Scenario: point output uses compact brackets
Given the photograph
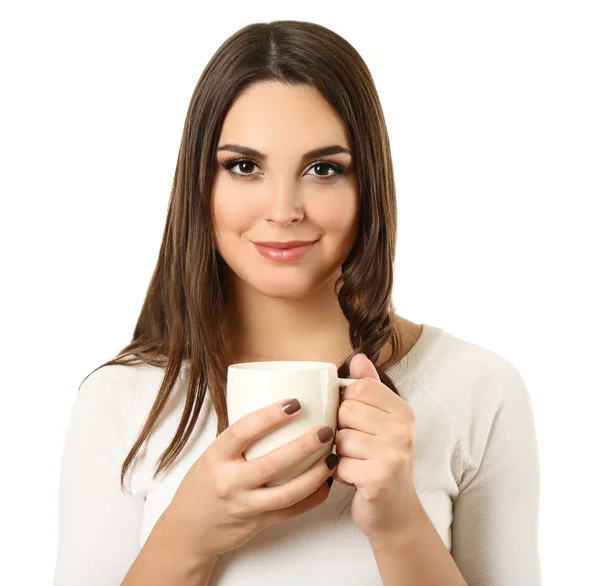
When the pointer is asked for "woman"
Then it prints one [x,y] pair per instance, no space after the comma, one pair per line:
[436,453]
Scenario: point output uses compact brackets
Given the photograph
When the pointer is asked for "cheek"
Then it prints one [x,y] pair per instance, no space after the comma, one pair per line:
[337,214]
[232,212]
[337,217]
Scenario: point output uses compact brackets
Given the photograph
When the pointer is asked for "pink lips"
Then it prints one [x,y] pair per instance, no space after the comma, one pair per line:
[284,254]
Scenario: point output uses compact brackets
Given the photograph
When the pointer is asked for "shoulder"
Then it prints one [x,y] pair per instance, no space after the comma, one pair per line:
[482,393]
[114,375]
[118,396]
[470,379]
[461,376]
[119,382]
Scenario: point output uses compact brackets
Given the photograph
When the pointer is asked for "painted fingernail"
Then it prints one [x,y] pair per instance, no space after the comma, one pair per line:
[331,461]
[325,434]
[330,481]
[291,406]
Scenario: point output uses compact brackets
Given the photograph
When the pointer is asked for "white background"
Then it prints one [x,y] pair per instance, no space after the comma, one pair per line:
[493,114]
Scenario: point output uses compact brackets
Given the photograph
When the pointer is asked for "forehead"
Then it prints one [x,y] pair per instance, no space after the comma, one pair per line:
[270,114]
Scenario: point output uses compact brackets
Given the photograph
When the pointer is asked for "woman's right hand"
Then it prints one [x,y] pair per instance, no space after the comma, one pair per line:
[221,503]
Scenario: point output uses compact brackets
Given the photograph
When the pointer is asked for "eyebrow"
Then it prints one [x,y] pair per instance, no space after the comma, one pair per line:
[320,152]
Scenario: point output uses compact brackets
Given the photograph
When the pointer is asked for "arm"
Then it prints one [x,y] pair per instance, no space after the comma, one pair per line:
[495,524]
[418,557]
[163,560]
[495,514]
[99,525]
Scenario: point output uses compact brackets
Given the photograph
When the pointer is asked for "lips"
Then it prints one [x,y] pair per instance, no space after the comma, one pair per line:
[285,245]
[289,254]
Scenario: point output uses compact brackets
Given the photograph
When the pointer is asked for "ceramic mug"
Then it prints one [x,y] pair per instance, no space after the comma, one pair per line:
[254,385]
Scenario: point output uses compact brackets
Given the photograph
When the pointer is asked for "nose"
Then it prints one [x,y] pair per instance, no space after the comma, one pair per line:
[284,205]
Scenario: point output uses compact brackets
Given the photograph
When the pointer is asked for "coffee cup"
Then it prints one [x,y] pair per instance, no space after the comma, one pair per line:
[254,385]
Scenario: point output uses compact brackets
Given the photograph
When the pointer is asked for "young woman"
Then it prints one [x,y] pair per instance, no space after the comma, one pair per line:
[279,244]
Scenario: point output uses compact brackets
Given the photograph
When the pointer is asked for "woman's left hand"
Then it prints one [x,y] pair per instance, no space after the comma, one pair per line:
[375,443]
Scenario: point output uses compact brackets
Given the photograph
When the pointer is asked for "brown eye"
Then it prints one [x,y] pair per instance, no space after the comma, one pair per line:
[246,165]
[323,167]
[338,170]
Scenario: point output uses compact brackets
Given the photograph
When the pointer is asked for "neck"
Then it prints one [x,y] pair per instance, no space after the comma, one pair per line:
[262,327]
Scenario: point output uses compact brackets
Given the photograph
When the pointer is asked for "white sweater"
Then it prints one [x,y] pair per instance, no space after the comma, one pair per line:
[476,472]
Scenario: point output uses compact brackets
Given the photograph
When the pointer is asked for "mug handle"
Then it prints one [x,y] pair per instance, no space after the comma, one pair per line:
[344,382]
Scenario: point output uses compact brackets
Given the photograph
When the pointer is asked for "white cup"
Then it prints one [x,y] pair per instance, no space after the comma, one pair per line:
[254,385]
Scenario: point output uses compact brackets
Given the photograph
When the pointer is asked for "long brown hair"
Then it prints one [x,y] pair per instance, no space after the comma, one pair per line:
[183,313]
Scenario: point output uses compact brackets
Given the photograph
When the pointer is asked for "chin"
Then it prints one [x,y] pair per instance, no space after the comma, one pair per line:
[283,288]
[293,281]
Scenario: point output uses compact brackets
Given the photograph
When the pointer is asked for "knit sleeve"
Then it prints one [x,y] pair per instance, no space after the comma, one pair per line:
[99,524]
[495,516]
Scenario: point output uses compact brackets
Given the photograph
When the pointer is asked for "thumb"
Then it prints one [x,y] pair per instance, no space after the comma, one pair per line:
[361,367]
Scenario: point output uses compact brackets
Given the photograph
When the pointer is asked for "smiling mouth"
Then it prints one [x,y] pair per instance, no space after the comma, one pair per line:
[284,254]
[284,245]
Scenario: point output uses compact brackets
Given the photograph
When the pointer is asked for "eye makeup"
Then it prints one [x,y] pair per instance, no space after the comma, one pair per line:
[231,162]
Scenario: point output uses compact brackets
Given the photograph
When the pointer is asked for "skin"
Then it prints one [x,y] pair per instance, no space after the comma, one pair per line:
[287,311]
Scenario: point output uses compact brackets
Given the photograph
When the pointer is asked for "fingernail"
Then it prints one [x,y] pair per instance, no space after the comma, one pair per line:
[291,406]
[330,481]
[331,461]
[325,434]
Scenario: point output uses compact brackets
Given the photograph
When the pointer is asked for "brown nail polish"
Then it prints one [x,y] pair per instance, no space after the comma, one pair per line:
[325,434]
[332,461]
[291,406]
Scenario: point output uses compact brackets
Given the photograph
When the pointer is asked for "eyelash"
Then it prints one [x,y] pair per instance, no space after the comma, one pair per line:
[228,164]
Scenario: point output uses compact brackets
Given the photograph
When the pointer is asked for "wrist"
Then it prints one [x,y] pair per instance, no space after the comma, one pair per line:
[402,534]
[170,526]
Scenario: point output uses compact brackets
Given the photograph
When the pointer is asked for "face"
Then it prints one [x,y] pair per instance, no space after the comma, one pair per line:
[281,195]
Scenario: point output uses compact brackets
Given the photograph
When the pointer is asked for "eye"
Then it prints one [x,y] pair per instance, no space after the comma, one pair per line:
[229,164]
[337,170]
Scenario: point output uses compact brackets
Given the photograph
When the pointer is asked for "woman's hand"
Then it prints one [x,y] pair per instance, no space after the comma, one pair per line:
[375,442]
[221,503]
